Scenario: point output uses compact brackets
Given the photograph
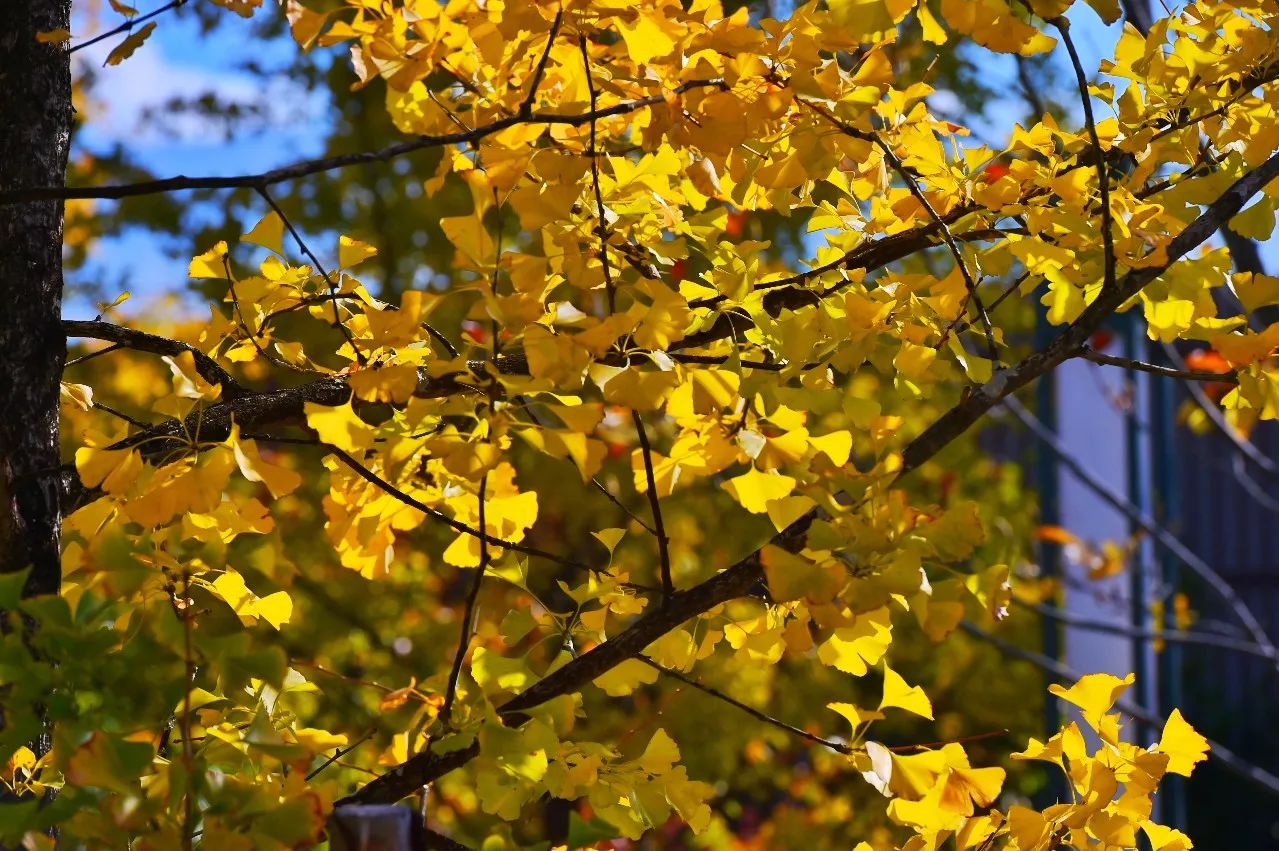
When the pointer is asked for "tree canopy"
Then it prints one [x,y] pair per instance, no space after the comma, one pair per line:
[641,497]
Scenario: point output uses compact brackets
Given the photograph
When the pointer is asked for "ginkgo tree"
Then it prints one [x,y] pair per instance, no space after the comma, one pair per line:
[623,450]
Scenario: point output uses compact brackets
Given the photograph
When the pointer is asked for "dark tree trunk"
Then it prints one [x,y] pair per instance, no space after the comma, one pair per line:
[35,125]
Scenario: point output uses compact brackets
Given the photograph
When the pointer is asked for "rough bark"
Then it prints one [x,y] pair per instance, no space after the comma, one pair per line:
[35,125]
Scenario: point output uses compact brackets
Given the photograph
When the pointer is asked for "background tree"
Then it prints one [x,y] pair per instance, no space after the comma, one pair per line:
[460,541]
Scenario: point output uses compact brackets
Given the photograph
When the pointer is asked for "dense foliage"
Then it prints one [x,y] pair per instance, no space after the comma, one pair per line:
[646,510]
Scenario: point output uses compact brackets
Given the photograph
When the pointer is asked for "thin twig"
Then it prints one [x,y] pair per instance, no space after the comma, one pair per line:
[122,415]
[1095,356]
[441,339]
[1171,636]
[969,282]
[961,323]
[305,168]
[92,355]
[128,25]
[434,513]
[328,279]
[839,747]
[188,757]
[622,505]
[655,505]
[834,745]
[601,225]
[468,617]
[526,108]
[976,404]
[1099,158]
[339,754]
[1245,446]
[913,187]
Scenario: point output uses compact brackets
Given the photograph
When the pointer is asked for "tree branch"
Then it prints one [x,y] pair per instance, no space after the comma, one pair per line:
[1171,636]
[839,747]
[434,513]
[305,168]
[734,582]
[912,186]
[1006,381]
[468,616]
[655,506]
[526,108]
[601,227]
[128,25]
[1095,356]
[1099,159]
[141,341]
[1245,447]
[319,267]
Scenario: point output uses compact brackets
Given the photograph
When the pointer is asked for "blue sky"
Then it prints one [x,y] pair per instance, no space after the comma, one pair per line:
[179,60]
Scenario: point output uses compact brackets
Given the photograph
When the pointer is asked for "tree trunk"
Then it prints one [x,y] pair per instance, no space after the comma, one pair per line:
[35,125]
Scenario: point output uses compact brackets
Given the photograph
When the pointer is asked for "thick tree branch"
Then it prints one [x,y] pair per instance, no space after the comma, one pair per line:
[734,582]
[141,341]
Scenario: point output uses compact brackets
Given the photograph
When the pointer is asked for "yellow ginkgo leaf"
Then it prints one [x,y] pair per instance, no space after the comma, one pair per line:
[393,383]
[210,264]
[853,649]
[870,20]
[276,609]
[911,698]
[753,490]
[645,38]
[660,755]
[352,252]
[1183,744]
[855,714]
[268,233]
[339,426]
[234,592]
[1095,694]
[279,480]
[111,469]
[187,381]
[318,741]
[626,677]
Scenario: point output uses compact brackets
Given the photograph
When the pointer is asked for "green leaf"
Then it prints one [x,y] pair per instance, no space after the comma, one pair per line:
[11,585]
[582,834]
